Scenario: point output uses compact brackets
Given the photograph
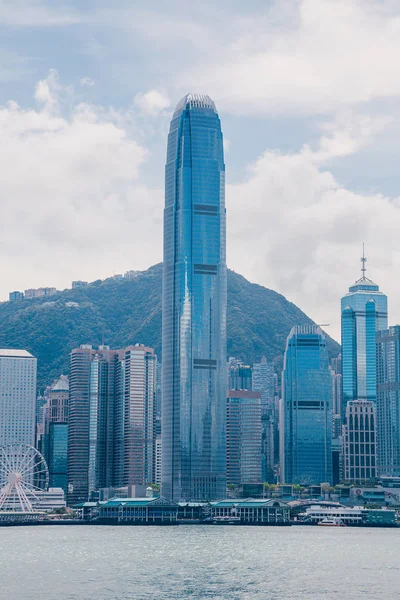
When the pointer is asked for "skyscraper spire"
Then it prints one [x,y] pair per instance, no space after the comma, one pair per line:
[363,263]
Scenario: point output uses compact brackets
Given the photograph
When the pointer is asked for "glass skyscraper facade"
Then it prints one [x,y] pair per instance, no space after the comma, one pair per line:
[364,312]
[306,416]
[243,423]
[57,455]
[194,306]
[111,433]
[388,401]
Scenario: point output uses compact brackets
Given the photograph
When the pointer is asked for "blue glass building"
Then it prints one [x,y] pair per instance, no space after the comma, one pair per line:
[194,306]
[364,312]
[306,416]
[388,401]
[57,455]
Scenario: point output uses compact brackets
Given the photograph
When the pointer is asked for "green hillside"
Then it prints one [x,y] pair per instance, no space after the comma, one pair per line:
[129,311]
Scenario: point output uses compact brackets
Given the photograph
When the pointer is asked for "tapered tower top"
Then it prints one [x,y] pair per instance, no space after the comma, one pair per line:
[196,101]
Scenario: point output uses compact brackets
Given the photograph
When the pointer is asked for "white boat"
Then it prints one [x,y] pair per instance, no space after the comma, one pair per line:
[332,522]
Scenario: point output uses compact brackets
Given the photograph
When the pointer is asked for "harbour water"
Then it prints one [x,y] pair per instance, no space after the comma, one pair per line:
[214,563]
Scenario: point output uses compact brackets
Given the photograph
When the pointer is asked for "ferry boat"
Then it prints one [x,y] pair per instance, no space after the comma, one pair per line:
[332,522]
[226,520]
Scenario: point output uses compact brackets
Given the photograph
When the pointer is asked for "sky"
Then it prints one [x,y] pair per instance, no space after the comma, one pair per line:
[308,93]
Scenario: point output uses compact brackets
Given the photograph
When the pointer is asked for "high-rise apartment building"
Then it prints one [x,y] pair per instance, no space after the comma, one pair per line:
[305,419]
[17,397]
[388,401]
[194,306]
[359,442]
[364,312]
[243,437]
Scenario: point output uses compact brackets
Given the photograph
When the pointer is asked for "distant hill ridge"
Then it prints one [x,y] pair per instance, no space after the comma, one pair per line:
[127,311]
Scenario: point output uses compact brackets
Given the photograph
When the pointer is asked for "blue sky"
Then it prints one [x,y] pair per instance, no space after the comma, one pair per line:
[308,94]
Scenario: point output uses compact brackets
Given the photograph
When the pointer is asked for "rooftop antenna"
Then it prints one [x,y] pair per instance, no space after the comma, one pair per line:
[363,263]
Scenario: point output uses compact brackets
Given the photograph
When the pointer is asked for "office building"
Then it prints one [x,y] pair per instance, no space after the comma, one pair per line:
[57,455]
[243,437]
[388,401]
[359,442]
[58,398]
[264,381]
[364,312]
[54,443]
[111,429]
[91,421]
[194,306]
[336,383]
[140,415]
[306,416]
[240,375]
[17,397]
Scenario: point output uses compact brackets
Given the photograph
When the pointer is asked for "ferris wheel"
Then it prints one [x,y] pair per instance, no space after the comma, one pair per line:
[24,477]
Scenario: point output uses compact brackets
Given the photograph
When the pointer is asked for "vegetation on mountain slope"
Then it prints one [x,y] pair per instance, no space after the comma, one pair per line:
[124,312]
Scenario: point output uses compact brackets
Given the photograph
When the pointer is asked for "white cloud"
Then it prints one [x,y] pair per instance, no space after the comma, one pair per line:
[305,56]
[300,232]
[73,204]
[87,82]
[33,13]
[153,102]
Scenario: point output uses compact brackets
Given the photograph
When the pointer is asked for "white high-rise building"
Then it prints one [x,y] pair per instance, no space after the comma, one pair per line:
[17,397]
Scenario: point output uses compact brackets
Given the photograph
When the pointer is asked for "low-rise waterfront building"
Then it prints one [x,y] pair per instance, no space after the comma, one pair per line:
[350,516]
[252,511]
[48,500]
[138,510]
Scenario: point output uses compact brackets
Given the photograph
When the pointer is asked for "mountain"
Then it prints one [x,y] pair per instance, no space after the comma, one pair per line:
[127,311]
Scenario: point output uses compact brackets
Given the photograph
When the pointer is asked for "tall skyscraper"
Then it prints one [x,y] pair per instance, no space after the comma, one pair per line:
[388,401]
[243,437]
[91,421]
[306,416]
[364,312]
[140,415]
[194,306]
[55,439]
[17,397]
[264,382]
[112,418]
